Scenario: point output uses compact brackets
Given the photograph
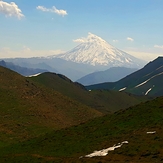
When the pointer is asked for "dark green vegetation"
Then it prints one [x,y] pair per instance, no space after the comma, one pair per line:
[146,81]
[49,118]
[28,109]
[103,101]
[67,145]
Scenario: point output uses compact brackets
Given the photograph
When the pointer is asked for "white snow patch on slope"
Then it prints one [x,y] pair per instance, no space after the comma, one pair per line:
[148,80]
[104,152]
[122,89]
[34,75]
[153,71]
[159,67]
[151,132]
[142,83]
[148,91]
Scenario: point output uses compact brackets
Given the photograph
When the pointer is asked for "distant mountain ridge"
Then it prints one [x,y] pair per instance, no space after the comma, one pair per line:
[93,55]
[22,70]
[146,81]
[70,69]
[111,75]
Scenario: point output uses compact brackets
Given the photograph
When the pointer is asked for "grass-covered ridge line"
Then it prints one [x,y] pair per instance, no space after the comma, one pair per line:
[102,100]
[28,109]
[67,145]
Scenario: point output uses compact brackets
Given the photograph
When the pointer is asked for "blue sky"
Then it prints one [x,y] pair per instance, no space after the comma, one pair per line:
[47,27]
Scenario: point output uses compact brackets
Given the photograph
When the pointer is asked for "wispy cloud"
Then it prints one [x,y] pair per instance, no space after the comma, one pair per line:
[27,52]
[42,8]
[115,41]
[80,40]
[10,9]
[86,39]
[130,39]
[147,54]
[158,46]
[53,10]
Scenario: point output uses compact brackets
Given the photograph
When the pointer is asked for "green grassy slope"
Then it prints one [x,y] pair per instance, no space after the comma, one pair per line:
[104,101]
[67,145]
[28,109]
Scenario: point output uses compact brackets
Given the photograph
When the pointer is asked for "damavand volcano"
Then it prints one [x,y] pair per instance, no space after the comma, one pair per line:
[97,52]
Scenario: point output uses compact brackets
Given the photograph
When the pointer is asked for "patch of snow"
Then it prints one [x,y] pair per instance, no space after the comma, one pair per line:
[148,80]
[122,89]
[159,67]
[148,91]
[151,132]
[127,60]
[153,71]
[142,83]
[34,75]
[104,152]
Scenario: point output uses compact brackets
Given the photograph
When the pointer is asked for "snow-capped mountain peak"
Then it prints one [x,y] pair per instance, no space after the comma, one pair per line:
[92,38]
[94,50]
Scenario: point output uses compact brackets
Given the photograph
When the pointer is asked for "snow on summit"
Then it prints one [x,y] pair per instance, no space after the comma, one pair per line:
[95,51]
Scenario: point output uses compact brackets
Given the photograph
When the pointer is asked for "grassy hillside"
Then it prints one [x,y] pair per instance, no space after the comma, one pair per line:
[103,101]
[67,145]
[28,109]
